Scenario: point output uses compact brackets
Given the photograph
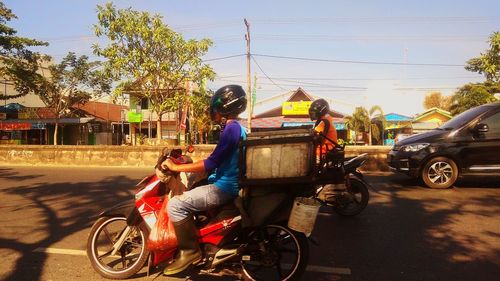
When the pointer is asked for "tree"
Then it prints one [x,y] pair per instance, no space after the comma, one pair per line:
[17,63]
[148,58]
[359,121]
[73,81]
[365,121]
[436,99]
[377,119]
[199,105]
[471,95]
[488,63]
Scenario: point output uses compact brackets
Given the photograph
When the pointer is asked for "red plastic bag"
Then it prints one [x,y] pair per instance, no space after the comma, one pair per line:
[162,236]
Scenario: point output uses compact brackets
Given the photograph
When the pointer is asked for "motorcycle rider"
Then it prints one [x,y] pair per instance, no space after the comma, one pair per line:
[225,106]
[319,111]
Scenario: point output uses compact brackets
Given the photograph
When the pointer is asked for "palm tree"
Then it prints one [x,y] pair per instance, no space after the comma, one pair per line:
[359,121]
[376,117]
[367,122]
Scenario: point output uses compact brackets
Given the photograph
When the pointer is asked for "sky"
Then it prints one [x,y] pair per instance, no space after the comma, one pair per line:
[355,52]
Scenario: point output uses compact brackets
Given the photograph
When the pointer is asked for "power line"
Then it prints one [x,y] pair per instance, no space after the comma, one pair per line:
[376,79]
[223,58]
[379,20]
[319,37]
[266,74]
[338,88]
[358,62]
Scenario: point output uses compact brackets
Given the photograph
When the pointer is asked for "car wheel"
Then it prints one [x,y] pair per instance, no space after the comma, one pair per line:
[440,172]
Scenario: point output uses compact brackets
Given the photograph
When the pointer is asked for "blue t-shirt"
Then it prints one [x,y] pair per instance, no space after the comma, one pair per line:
[223,161]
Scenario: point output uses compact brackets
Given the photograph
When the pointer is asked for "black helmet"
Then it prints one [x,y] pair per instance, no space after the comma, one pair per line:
[228,100]
[318,108]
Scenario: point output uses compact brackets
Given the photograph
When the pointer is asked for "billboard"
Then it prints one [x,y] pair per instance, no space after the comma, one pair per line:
[295,108]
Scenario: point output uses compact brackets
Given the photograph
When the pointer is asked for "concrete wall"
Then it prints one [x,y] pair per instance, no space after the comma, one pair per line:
[138,156]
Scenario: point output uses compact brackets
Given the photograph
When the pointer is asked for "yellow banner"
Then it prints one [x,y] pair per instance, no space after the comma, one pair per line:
[27,113]
[296,107]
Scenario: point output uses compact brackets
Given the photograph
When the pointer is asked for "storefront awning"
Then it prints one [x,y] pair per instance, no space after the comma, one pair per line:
[15,126]
[39,124]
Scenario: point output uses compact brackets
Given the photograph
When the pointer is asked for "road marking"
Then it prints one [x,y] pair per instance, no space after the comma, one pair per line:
[61,251]
[311,268]
[327,269]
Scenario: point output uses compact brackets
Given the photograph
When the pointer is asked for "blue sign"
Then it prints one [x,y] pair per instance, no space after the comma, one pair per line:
[339,126]
[296,124]
[38,126]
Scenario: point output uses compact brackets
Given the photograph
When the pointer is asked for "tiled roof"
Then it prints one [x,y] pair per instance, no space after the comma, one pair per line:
[103,111]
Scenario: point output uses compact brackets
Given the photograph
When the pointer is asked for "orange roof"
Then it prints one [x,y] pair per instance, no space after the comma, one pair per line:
[103,111]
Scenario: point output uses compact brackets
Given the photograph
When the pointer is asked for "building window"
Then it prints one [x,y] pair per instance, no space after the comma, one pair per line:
[144,102]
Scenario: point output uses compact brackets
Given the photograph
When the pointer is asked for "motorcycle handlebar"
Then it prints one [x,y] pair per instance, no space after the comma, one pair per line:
[175,155]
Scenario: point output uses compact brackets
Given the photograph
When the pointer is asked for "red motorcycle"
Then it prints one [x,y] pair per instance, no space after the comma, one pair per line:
[117,243]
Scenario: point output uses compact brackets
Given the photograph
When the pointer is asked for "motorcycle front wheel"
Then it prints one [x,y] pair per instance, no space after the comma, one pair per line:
[352,201]
[276,253]
[129,259]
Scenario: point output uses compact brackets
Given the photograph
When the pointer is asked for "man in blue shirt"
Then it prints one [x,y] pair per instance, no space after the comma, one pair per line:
[225,106]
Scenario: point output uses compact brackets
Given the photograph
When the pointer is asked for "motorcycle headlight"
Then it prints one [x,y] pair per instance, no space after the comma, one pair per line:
[414,147]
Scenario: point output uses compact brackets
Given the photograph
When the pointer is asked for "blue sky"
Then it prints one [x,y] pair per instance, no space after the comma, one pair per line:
[350,42]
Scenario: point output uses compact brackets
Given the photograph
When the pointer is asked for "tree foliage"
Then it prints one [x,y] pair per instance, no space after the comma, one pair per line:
[148,58]
[17,63]
[436,99]
[488,63]
[199,106]
[364,121]
[359,121]
[473,94]
[377,123]
[73,81]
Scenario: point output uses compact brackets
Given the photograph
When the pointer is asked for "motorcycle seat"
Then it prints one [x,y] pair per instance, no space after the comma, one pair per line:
[225,211]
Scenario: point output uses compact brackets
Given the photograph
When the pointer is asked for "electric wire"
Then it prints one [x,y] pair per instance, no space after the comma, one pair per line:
[358,62]
[266,74]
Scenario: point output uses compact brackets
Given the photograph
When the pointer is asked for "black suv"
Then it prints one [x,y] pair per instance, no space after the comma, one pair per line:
[468,144]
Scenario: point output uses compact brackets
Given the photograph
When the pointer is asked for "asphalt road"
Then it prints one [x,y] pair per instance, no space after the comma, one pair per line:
[407,232]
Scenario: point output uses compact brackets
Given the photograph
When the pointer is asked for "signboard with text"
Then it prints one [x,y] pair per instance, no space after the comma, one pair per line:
[134,117]
[11,126]
[28,113]
[295,108]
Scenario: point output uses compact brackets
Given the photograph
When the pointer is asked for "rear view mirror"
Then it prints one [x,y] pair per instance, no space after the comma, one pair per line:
[481,128]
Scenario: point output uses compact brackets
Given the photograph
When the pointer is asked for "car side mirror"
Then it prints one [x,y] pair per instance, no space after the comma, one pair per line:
[481,128]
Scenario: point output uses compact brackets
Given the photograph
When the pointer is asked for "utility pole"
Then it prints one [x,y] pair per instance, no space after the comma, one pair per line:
[249,79]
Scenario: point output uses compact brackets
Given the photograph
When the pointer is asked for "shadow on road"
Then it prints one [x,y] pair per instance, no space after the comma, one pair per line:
[405,233]
[77,206]
[409,232]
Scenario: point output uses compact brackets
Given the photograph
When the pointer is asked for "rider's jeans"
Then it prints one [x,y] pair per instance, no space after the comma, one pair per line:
[198,199]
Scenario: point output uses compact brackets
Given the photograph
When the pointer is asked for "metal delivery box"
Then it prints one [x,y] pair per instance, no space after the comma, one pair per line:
[282,156]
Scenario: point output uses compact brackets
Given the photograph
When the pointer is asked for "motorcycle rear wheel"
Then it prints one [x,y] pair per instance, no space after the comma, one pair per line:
[356,201]
[275,253]
[130,258]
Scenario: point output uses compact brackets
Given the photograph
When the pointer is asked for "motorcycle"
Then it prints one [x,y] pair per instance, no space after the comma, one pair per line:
[350,197]
[117,243]
[339,183]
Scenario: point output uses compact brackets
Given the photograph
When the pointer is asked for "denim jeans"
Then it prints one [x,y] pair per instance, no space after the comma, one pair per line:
[199,199]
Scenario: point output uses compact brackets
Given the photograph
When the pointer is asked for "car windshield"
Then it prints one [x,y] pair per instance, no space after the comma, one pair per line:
[464,117]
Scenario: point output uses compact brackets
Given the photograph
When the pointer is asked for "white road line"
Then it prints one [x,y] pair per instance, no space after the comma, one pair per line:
[311,268]
[327,269]
[61,251]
